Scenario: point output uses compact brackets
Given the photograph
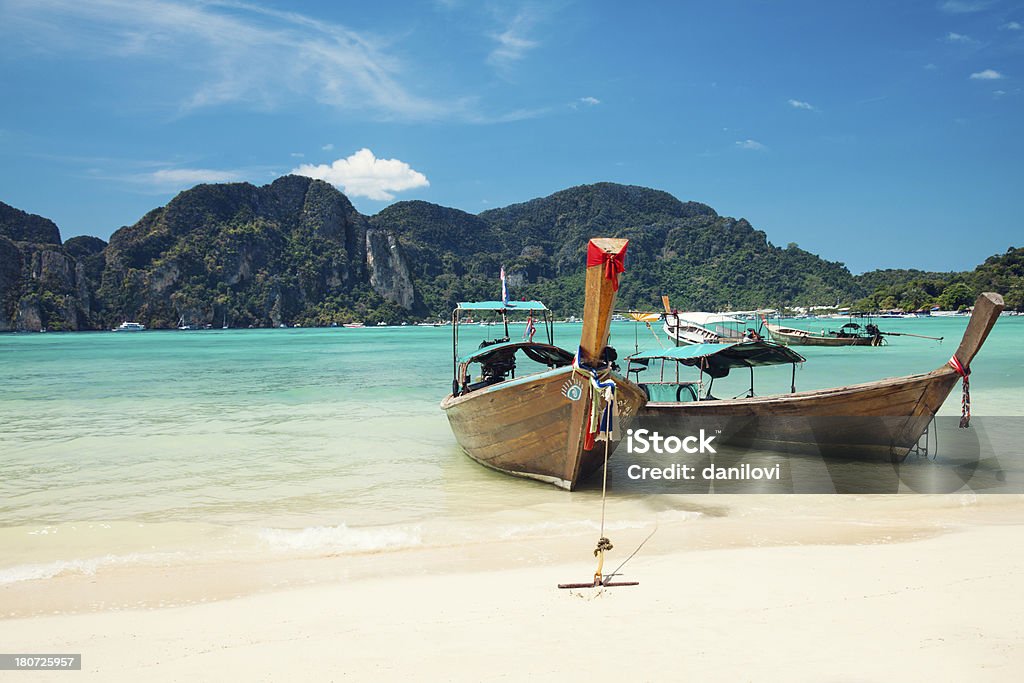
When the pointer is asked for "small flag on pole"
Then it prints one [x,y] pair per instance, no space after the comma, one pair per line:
[504,287]
[531,329]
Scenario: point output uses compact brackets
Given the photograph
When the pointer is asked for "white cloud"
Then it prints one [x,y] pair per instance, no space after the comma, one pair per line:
[513,42]
[364,175]
[1011,26]
[964,6]
[328,147]
[227,51]
[958,38]
[987,75]
[798,104]
[930,66]
[591,101]
[172,179]
[750,144]
[296,155]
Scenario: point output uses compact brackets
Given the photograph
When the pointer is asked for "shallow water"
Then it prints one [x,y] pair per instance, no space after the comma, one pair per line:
[168,446]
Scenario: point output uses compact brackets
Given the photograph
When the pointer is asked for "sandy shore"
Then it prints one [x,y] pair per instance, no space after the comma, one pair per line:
[947,607]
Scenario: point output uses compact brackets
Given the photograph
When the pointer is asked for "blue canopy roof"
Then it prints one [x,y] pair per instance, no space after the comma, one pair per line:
[523,306]
[718,359]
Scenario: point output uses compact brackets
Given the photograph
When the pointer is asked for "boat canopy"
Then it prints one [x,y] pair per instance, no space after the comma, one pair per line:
[718,359]
[541,353]
[501,306]
[703,318]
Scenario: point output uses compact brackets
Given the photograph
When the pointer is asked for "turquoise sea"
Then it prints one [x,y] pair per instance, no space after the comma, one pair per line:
[166,447]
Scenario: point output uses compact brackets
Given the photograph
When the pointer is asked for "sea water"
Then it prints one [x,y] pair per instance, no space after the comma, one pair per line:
[172,447]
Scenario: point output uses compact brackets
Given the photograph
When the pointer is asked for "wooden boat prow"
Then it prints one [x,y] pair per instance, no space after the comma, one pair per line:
[538,426]
[986,311]
[599,299]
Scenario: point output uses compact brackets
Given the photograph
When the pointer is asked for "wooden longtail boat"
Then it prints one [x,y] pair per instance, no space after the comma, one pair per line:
[545,425]
[850,334]
[880,419]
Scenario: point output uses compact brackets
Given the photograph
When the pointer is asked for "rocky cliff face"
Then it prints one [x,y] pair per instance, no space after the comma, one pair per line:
[297,251]
[42,285]
[10,283]
[389,272]
[292,251]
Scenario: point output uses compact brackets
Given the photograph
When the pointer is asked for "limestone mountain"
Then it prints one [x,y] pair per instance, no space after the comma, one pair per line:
[42,285]
[297,252]
[683,249]
[294,250]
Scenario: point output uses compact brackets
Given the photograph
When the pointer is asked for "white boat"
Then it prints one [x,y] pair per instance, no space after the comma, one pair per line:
[182,325]
[129,327]
[700,327]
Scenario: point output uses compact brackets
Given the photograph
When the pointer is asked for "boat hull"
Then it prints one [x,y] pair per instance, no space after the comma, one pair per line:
[874,420]
[808,339]
[532,427]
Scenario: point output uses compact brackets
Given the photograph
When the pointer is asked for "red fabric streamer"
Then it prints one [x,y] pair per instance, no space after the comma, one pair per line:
[613,263]
[965,402]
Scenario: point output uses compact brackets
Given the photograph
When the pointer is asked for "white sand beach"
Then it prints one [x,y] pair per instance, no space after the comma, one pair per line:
[720,599]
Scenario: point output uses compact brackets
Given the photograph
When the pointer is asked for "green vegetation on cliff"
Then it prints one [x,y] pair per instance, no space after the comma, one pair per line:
[912,290]
[42,285]
[683,249]
[297,252]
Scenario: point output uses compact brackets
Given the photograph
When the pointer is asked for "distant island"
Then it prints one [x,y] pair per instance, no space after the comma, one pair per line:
[297,252]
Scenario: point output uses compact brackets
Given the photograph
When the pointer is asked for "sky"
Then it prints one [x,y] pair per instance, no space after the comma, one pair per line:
[879,134]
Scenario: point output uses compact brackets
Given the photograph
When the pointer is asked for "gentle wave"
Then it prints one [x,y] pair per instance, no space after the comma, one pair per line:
[86,567]
[341,538]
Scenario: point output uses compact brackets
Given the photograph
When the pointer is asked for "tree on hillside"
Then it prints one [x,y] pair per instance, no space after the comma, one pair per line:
[956,296]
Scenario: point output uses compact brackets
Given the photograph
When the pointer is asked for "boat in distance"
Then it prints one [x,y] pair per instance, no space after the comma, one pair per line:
[127,326]
[882,419]
[701,327]
[559,423]
[850,334]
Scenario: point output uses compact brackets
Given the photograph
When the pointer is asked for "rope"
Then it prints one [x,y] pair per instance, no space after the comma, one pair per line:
[603,543]
[656,337]
[604,495]
[965,402]
[632,554]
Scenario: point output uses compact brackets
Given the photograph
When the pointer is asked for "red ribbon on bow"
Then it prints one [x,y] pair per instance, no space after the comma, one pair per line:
[965,402]
[613,263]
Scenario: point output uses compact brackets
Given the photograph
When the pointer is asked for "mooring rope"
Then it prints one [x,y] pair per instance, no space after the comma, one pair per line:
[603,543]
[632,554]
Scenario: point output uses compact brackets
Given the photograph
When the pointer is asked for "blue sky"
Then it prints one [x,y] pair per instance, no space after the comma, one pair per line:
[880,134]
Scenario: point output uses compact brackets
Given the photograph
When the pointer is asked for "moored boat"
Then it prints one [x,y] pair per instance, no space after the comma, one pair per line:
[558,423]
[850,334]
[701,327]
[129,327]
[883,418]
